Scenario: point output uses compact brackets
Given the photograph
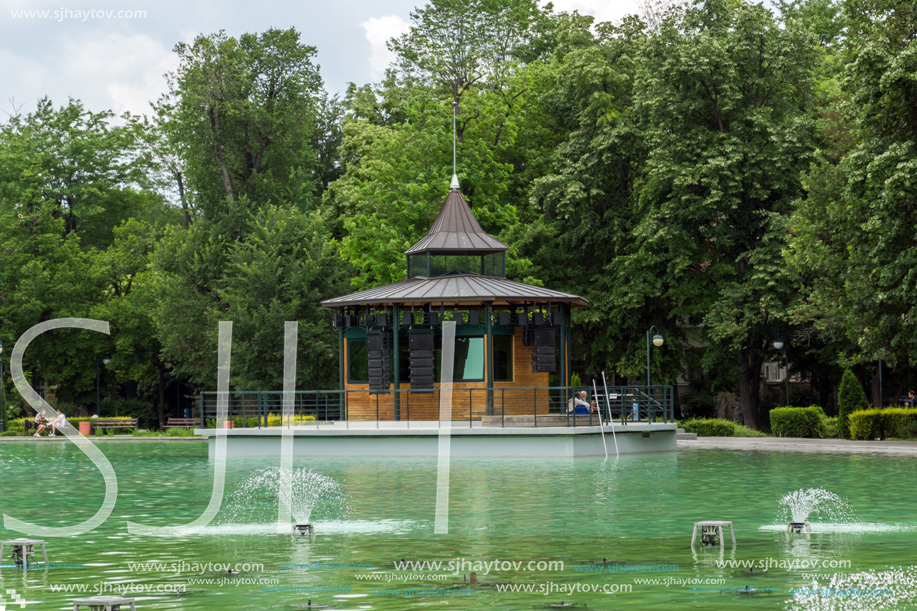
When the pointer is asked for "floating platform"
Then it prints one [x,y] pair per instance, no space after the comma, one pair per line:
[371,439]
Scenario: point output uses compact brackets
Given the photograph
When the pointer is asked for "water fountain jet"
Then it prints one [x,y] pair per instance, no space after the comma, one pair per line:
[798,506]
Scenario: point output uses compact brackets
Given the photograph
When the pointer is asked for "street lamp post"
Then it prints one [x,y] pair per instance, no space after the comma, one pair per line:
[781,346]
[2,405]
[657,341]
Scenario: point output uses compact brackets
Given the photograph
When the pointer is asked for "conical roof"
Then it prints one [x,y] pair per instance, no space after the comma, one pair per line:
[456,230]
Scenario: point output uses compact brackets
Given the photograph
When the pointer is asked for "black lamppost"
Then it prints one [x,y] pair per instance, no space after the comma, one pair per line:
[782,347]
[2,405]
[657,341]
[104,361]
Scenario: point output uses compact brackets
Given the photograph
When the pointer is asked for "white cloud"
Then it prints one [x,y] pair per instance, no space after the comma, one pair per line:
[127,68]
[378,31]
[602,10]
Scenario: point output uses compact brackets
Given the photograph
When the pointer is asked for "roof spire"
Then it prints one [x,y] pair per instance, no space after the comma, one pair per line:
[455,181]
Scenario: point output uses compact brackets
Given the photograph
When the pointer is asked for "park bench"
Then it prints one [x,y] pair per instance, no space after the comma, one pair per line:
[114,423]
[182,423]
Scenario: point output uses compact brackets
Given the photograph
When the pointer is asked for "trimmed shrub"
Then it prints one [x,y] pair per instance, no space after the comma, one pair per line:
[908,431]
[850,398]
[16,426]
[743,431]
[798,422]
[717,427]
[830,426]
[895,418]
[881,423]
[710,427]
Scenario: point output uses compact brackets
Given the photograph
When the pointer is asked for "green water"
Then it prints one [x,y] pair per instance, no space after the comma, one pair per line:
[635,511]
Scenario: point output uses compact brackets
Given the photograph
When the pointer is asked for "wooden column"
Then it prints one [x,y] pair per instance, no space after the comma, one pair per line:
[489,334]
[342,365]
[396,366]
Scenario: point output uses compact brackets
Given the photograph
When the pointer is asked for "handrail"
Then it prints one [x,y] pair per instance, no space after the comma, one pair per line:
[254,408]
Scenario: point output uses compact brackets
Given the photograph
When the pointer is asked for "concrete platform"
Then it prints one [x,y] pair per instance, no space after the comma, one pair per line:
[421,439]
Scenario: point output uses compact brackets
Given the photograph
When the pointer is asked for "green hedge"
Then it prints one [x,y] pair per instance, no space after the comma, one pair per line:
[798,422]
[717,427]
[254,421]
[880,423]
[18,425]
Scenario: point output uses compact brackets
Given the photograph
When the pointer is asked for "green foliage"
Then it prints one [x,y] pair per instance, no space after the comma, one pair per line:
[829,427]
[880,423]
[724,142]
[16,426]
[698,404]
[280,270]
[242,112]
[177,432]
[908,431]
[717,427]
[255,422]
[850,398]
[653,168]
[798,422]
[853,233]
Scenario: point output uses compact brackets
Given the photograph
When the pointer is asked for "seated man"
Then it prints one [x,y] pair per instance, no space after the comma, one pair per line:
[579,405]
[60,421]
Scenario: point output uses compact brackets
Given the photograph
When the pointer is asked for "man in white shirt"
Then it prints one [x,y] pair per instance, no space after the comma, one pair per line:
[61,420]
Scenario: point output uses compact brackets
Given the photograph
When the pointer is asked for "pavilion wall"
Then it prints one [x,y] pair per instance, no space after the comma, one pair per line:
[509,398]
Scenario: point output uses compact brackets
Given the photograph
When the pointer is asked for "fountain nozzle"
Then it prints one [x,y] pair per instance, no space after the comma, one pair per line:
[303,529]
[798,527]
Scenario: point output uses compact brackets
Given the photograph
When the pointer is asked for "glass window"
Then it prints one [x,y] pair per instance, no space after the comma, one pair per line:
[358,362]
[469,359]
[503,358]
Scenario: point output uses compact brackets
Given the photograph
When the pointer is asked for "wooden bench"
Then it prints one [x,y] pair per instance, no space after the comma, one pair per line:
[182,423]
[114,423]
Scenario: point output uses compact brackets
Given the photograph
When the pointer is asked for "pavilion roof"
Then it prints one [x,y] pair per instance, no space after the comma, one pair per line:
[456,289]
[456,229]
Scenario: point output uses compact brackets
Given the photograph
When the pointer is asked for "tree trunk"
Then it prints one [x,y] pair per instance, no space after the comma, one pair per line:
[181,197]
[876,390]
[162,395]
[749,385]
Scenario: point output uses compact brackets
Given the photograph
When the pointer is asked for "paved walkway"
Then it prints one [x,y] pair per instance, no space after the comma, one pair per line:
[785,444]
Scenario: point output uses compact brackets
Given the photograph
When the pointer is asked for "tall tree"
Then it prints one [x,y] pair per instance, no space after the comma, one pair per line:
[584,199]
[854,233]
[257,142]
[77,165]
[722,98]
[244,111]
[68,180]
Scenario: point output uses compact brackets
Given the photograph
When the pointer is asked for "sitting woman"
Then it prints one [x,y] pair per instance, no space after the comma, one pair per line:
[40,424]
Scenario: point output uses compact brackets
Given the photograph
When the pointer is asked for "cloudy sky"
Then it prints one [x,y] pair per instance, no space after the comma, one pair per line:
[115,58]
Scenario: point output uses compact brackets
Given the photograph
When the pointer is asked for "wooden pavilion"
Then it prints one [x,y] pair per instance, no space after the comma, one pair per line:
[512,339]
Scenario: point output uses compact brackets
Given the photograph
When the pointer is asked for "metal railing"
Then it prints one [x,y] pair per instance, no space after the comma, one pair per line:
[501,406]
